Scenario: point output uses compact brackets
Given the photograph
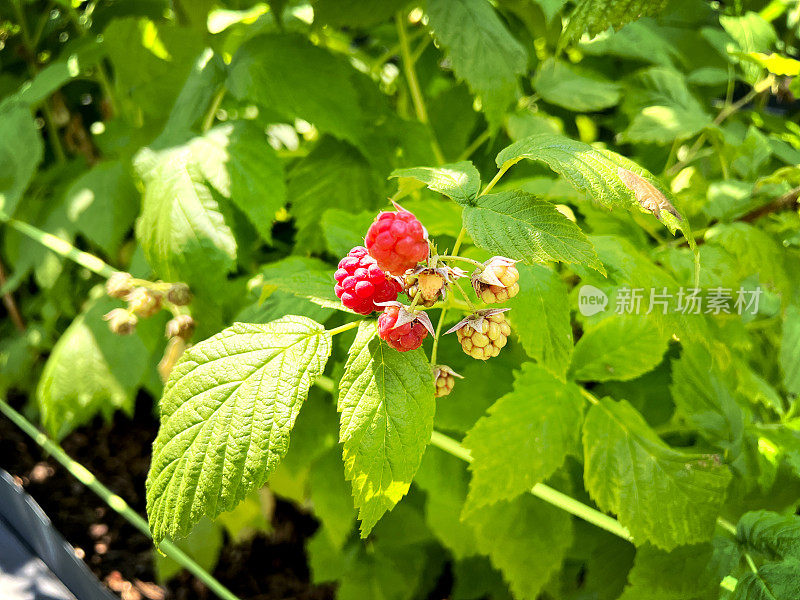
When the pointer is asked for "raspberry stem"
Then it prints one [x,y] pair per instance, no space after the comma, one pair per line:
[345,327]
[462,259]
[417,296]
[464,295]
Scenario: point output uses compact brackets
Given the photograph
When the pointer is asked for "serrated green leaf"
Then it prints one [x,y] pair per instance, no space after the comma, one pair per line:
[774,535]
[90,371]
[526,540]
[386,404]
[773,581]
[540,318]
[21,151]
[751,33]
[593,172]
[619,348]
[459,181]
[594,16]
[521,226]
[226,415]
[525,437]
[291,76]
[559,83]
[790,350]
[444,479]
[663,496]
[489,59]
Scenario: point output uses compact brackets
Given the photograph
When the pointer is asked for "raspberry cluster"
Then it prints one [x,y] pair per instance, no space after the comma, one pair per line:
[145,299]
[361,284]
[483,335]
[404,337]
[445,380]
[397,241]
[497,281]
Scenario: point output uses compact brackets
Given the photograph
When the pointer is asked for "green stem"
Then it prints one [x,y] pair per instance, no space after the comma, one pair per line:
[114,501]
[439,327]
[61,247]
[343,328]
[544,492]
[459,240]
[413,84]
[464,295]
[461,258]
[476,143]
[208,120]
[494,181]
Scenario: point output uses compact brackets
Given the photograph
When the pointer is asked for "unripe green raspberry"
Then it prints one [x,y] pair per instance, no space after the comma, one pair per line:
[119,285]
[179,294]
[484,338]
[121,321]
[143,302]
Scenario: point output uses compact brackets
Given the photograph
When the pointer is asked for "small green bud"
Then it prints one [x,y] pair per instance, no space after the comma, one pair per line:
[121,322]
[181,326]
[179,294]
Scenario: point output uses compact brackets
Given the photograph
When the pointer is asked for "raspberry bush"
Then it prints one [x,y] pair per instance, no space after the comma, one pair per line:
[503,294]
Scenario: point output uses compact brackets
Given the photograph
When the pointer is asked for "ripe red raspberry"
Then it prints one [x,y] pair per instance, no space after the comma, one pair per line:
[360,282]
[397,240]
[405,337]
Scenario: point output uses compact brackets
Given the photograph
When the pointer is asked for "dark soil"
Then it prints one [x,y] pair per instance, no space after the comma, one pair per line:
[268,567]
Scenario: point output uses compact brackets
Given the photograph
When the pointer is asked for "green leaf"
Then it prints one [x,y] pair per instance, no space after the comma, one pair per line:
[333,176]
[773,581]
[751,33]
[526,539]
[790,350]
[489,59]
[444,479]
[151,62]
[103,203]
[663,496]
[525,437]
[594,16]
[226,415]
[459,181]
[203,545]
[619,348]
[521,226]
[386,404]
[21,151]
[663,109]
[238,162]
[540,318]
[651,577]
[196,95]
[90,371]
[559,83]
[345,230]
[594,172]
[775,63]
[331,498]
[289,75]
[774,535]
[80,58]
[355,13]
[702,397]
[306,277]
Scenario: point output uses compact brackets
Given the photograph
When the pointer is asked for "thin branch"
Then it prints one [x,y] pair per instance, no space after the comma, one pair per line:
[11,306]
